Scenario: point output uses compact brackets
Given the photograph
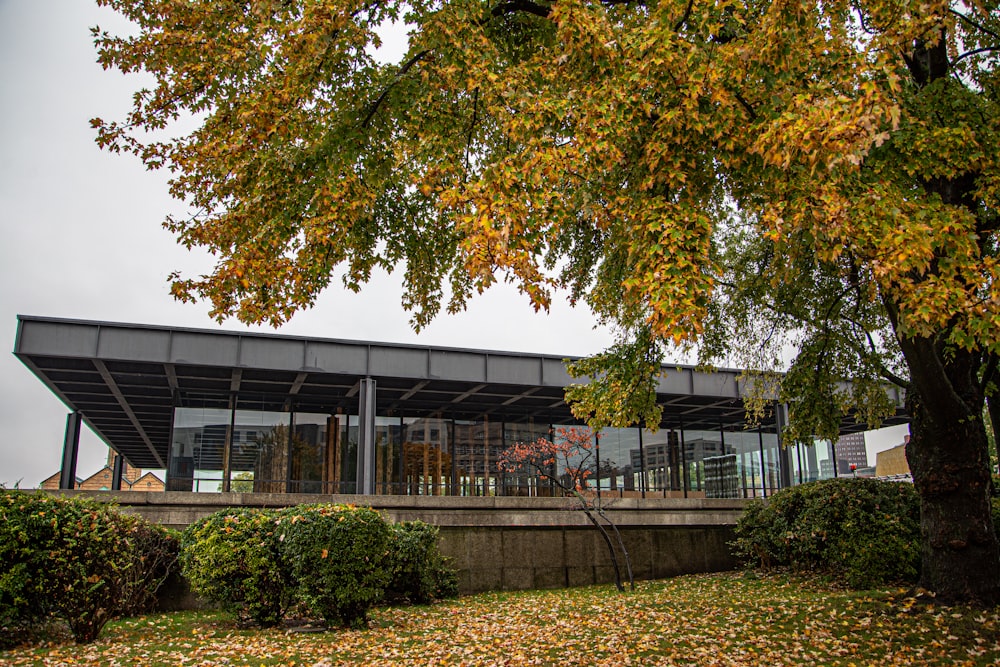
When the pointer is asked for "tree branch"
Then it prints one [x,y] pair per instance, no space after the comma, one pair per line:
[687,15]
[973,52]
[374,106]
[928,63]
[932,380]
[472,127]
[883,370]
[975,25]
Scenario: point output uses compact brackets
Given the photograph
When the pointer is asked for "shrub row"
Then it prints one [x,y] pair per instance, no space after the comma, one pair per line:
[75,560]
[864,532]
[335,560]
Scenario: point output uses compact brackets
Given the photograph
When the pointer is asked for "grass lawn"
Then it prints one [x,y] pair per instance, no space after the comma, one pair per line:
[735,618]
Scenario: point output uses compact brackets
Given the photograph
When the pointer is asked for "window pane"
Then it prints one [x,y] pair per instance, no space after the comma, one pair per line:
[427,463]
[260,453]
[310,438]
[699,445]
[523,483]
[477,446]
[388,455]
[197,451]
[618,448]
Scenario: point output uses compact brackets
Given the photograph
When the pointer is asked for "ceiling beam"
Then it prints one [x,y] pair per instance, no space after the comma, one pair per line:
[170,371]
[300,380]
[417,387]
[117,393]
[235,380]
[475,390]
[523,394]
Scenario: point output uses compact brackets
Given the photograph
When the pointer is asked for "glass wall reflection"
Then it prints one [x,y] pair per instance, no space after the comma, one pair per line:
[477,447]
[388,455]
[260,460]
[524,482]
[427,457]
[309,441]
[198,449]
[263,451]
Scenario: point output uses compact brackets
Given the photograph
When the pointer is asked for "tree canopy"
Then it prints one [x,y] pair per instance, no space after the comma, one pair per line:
[747,176]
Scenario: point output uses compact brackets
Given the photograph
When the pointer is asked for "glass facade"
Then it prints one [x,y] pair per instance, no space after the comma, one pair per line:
[266,451]
[198,452]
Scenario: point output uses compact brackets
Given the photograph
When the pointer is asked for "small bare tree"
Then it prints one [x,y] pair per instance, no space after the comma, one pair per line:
[567,460]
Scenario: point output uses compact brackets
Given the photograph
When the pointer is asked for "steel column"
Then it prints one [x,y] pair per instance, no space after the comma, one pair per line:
[71,448]
[116,472]
[784,453]
[366,436]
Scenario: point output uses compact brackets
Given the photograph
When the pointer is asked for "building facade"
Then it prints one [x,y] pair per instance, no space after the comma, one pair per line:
[131,479]
[852,453]
[222,411]
[892,463]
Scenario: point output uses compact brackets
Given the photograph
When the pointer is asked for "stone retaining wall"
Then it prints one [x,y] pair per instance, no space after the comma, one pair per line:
[511,543]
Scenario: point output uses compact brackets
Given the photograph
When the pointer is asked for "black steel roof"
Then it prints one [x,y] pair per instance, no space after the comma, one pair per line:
[126,378]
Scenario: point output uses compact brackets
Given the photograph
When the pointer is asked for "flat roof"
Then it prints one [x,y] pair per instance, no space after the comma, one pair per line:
[126,379]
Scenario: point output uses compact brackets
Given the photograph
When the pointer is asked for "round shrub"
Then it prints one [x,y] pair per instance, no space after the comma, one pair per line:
[234,558]
[340,557]
[60,558]
[865,532]
[419,573]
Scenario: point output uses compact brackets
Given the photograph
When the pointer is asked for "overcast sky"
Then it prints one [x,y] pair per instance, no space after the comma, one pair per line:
[82,239]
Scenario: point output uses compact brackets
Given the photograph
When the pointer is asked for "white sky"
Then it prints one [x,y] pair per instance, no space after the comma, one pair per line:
[83,239]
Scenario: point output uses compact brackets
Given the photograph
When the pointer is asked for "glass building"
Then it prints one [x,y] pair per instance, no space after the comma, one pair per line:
[238,412]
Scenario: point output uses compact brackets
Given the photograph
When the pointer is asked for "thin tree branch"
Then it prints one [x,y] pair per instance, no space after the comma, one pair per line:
[621,544]
[975,25]
[746,105]
[883,370]
[973,52]
[374,106]
[472,127]
[687,15]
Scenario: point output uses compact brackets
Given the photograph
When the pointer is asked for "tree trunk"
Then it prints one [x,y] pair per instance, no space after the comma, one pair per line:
[948,454]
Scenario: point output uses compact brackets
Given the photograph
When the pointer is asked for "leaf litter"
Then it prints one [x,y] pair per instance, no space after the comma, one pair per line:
[725,620]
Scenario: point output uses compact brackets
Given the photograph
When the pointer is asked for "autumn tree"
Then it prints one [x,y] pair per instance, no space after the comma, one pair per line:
[568,461]
[753,178]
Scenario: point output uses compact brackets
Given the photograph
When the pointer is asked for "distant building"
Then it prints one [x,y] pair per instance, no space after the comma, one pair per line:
[851,453]
[133,479]
[892,462]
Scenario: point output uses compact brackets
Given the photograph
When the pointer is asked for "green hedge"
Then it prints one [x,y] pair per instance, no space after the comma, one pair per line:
[419,572]
[331,561]
[74,560]
[234,558]
[341,559]
[864,532]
